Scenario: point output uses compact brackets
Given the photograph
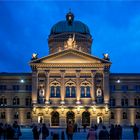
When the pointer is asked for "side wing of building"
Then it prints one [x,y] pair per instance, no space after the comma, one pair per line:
[125,98]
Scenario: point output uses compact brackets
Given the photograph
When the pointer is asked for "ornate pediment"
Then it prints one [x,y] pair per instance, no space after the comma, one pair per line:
[70,56]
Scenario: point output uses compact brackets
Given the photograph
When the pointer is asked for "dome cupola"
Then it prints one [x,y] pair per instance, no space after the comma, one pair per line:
[62,30]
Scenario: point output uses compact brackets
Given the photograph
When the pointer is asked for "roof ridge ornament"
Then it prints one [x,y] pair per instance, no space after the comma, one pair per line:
[70,17]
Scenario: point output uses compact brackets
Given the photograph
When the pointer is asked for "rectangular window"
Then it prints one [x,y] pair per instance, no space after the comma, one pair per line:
[112,102]
[29,87]
[137,88]
[124,88]
[112,88]
[3,87]
[15,87]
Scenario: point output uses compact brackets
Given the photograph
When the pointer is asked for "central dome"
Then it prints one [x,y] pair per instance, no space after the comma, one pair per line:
[69,32]
[70,25]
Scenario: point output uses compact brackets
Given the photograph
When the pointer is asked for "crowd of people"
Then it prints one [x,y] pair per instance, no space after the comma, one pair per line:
[9,132]
[42,132]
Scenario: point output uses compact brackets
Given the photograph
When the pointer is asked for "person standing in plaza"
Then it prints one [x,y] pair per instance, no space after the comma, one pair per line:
[17,131]
[45,131]
[135,132]
[35,132]
[70,130]
[91,134]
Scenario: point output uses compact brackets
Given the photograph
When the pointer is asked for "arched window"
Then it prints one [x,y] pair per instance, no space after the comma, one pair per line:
[28,101]
[85,89]
[16,101]
[55,89]
[16,115]
[86,118]
[112,116]
[138,115]
[55,118]
[3,101]
[124,115]
[112,102]
[28,115]
[70,88]
[124,101]
[2,115]
[70,117]
[137,101]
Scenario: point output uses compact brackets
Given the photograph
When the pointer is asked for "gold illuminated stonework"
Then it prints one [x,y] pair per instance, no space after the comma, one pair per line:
[70,84]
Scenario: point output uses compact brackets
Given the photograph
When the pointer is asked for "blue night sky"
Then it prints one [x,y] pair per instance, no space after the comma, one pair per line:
[114,26]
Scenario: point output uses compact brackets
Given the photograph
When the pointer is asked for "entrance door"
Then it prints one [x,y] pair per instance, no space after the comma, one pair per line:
[86,118]
[40,119]
[70,117]
[99,119]
[55,118]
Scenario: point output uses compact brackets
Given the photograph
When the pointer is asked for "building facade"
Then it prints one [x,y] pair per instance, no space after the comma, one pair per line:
[70,84]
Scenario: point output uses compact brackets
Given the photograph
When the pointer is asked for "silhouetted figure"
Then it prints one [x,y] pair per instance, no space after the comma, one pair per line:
[103,134]
[112,132]
[120,131]
[41,120]
[55,136]
[10,132]
[91,134]
[135,131]
[84,126]
[35,133]
[78,126]
[17,131]
[69,131]
[62,135]
[116,132]
[5,131]
[75,127]
[44,131]
[1,130]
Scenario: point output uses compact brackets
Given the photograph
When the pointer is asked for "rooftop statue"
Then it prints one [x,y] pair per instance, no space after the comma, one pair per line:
[70,43]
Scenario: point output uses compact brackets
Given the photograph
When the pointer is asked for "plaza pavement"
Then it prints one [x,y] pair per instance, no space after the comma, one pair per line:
[27,134]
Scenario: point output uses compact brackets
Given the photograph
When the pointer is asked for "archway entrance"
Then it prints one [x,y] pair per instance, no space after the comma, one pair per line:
[70,117]
[86,118]
[54,118]
[40,118]
[99,118]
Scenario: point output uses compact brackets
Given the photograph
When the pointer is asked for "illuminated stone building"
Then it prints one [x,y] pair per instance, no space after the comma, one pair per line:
[70,84]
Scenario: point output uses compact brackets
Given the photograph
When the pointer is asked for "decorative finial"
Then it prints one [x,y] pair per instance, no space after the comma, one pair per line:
[34,56]
[70,17]
[106,56]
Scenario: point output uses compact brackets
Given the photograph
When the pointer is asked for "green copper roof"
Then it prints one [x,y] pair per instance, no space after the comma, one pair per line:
[75,26]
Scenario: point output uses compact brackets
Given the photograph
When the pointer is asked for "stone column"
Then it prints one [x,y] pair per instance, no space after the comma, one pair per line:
[47,87]
[106,87]
[78,86]
[34,87]
[62,87]
[93,87]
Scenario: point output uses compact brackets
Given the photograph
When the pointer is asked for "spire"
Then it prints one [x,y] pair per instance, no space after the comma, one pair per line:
[69,17]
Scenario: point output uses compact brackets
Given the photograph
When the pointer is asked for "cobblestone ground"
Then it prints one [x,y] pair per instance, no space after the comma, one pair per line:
[27,134]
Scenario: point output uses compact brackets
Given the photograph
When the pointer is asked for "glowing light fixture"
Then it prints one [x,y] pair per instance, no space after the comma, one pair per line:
[106,108]
[94,108]
[62,109]
[118,81]
[78,109]
[47,110]
[22,81]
